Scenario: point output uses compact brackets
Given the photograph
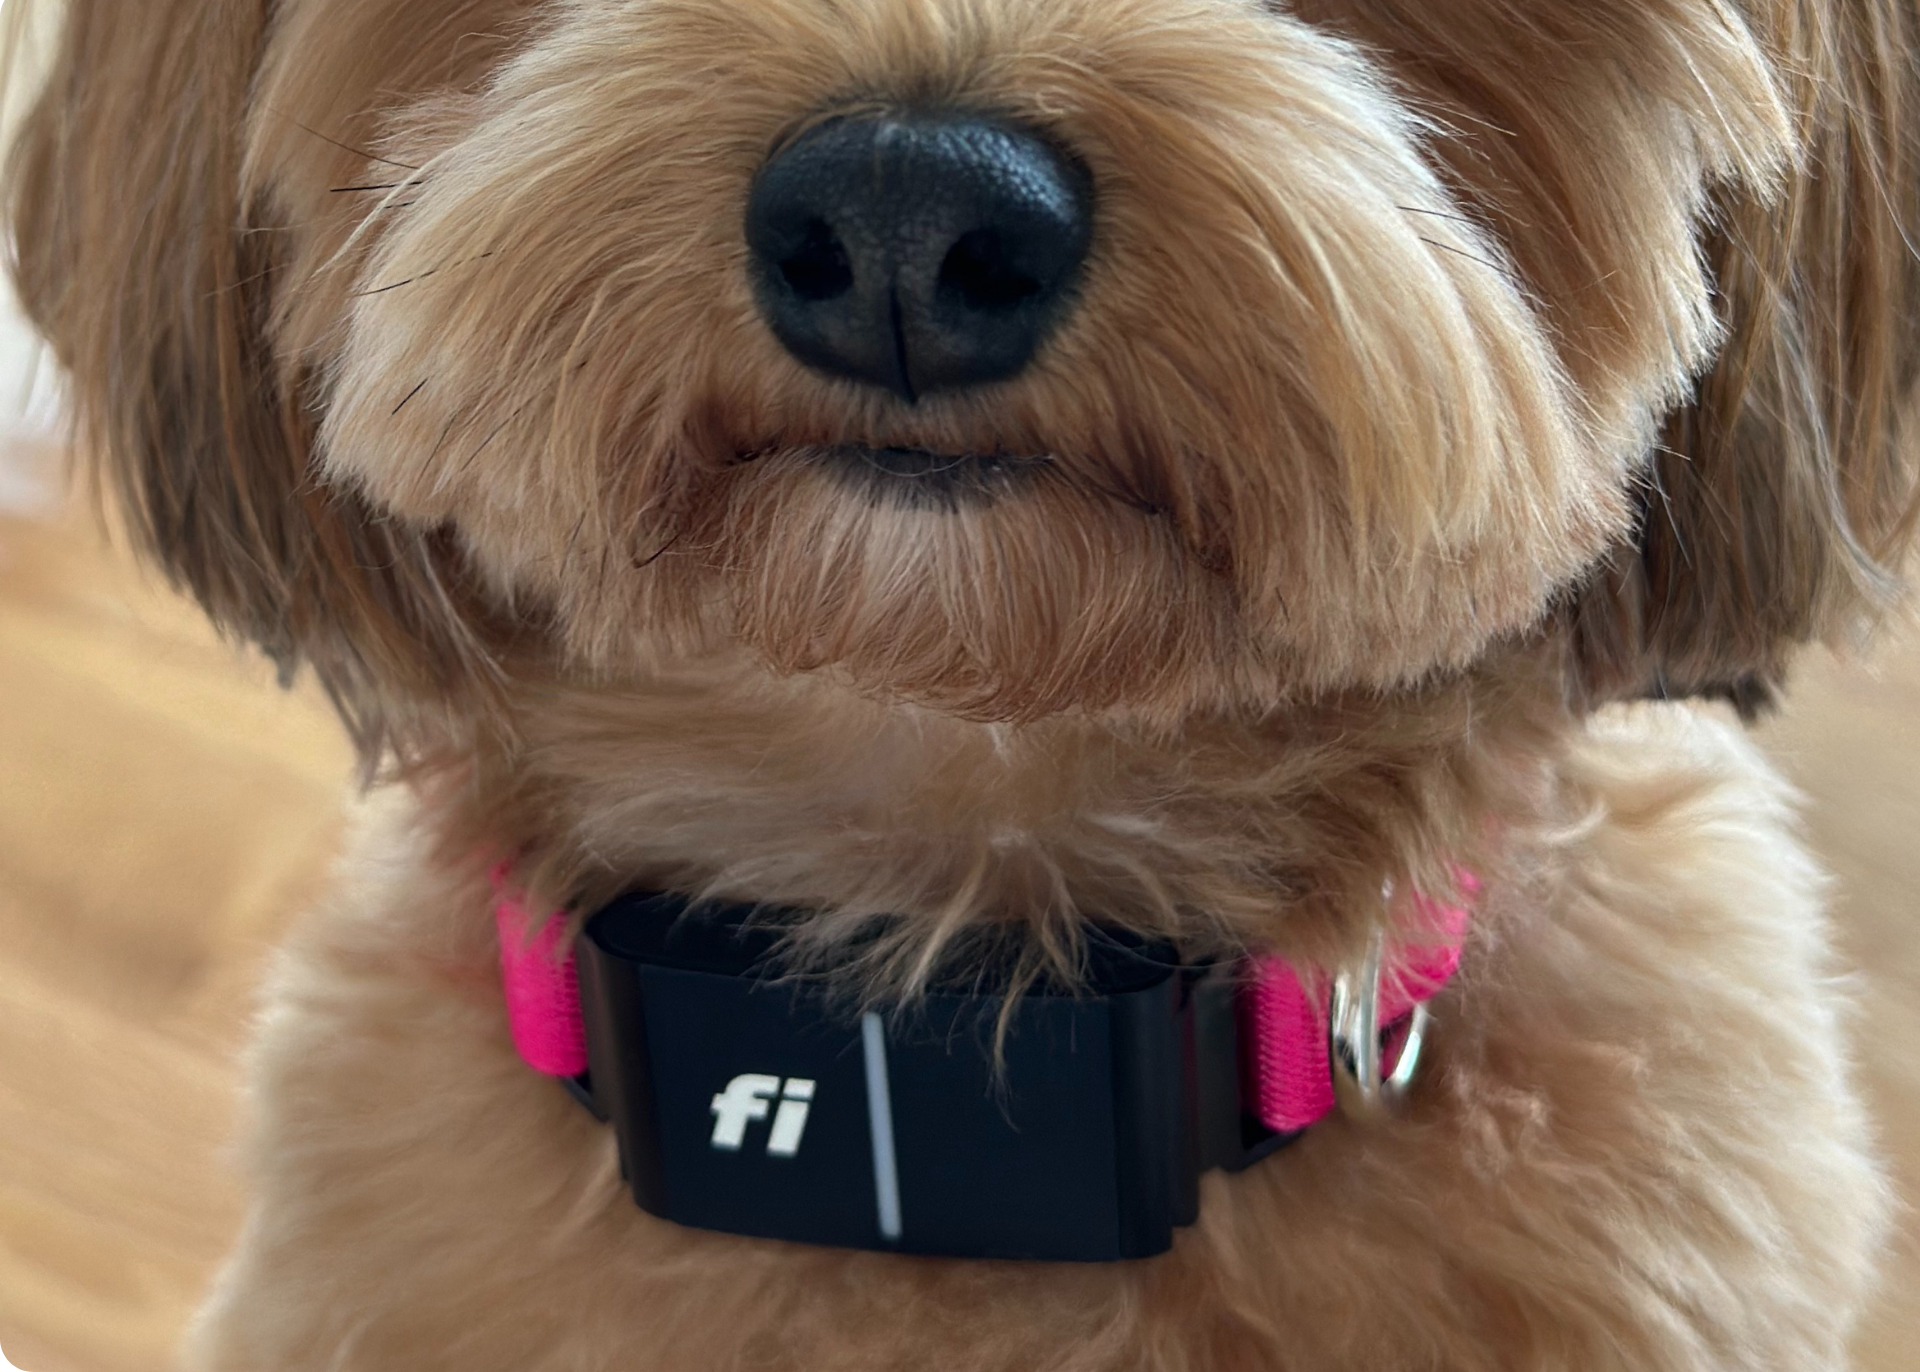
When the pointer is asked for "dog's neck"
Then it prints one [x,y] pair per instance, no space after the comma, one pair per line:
[1276,832]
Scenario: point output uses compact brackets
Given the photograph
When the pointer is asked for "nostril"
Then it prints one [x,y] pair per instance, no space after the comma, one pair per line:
[818,270]
[917,251]
[982,273]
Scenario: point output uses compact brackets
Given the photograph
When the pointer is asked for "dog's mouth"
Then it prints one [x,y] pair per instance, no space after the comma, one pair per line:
[921,477]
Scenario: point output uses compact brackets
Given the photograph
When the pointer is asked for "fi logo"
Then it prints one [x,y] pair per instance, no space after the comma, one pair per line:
[747,1099]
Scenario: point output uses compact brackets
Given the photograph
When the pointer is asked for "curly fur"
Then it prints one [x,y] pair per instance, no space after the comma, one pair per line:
[1640,1149]
[1442,377]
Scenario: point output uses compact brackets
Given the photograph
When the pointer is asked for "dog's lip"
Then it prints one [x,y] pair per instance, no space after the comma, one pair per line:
[912,472]
[931,465]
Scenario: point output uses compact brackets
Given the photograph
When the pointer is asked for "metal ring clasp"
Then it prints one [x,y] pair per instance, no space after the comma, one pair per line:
[1367,1093]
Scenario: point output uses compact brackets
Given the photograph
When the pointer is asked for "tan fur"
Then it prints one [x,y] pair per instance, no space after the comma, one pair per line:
[1441,373]
[1640,1150]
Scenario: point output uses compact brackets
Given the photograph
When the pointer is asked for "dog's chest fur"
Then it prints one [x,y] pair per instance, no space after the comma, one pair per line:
[1275,833]
[1637,1148]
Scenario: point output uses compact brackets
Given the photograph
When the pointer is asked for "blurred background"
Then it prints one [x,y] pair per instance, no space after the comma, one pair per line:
[165,811]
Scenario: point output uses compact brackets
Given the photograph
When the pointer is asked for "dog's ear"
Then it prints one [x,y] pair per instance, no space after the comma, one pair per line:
[135,257]
[1782,499]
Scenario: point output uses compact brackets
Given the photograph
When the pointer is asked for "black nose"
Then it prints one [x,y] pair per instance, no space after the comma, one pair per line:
[918,253]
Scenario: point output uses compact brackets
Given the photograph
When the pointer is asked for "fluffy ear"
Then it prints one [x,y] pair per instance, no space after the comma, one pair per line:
[133,254]
[1781,503]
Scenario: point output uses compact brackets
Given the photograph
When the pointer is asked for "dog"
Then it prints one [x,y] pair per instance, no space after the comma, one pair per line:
[973,472]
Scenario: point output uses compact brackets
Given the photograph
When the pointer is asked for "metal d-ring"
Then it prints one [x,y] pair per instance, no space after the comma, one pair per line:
[1364,1091]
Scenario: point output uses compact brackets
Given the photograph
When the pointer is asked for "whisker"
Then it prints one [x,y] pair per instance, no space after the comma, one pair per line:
[440,443]
[357,152]
[1439,214]
[410,395]
[1462,252]
[431,271]
[642,563]
[394,286]
[497,430]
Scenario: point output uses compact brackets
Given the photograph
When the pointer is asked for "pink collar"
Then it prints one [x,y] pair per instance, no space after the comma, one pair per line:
[1287,1018]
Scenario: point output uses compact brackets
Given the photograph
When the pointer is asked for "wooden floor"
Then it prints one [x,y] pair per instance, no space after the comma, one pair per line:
[163,811]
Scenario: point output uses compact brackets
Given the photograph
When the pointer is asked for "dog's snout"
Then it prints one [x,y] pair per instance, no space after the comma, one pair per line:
[918,253]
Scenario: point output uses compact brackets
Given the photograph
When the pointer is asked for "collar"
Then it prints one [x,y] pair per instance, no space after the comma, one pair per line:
[1072,1125]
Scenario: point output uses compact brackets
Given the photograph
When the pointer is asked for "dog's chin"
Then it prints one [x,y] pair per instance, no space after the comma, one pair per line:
[921,478]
